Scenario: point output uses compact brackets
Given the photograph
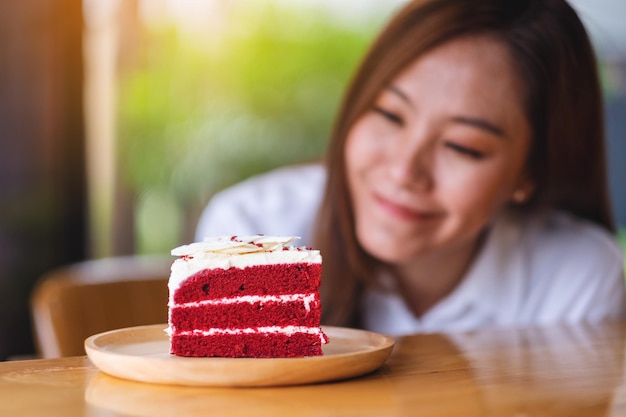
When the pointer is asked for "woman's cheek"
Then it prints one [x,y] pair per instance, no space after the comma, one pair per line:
[473,183]
[365,140]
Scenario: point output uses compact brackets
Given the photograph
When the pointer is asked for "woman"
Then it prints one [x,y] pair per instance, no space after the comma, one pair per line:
[465,182]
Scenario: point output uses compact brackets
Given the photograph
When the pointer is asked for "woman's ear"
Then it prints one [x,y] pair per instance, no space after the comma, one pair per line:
[523,191]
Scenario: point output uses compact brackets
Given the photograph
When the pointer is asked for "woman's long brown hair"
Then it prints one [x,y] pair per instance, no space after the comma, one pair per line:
[556,64]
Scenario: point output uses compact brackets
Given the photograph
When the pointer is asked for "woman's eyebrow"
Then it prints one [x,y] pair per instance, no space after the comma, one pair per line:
[468,120]
[480,124]
[399,93]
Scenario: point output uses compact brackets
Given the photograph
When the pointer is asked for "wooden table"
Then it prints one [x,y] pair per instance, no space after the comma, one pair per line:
[553,371]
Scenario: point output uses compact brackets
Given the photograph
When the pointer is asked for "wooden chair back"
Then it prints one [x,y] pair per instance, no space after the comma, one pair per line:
[74,302]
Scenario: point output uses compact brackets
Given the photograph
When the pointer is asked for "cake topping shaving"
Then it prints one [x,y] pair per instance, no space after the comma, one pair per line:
[236,245]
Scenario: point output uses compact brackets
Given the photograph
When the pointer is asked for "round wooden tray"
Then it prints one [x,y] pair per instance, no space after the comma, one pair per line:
[142,354]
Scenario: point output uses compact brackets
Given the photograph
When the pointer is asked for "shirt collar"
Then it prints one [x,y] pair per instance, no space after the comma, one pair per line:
[493,285]
[491,290]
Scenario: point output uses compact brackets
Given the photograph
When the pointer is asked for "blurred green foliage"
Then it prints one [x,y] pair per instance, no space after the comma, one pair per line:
[197,115]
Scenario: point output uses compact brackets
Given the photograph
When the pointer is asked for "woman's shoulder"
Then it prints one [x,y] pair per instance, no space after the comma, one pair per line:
[298,179]
[281,201]
[561,268]
[560,235]
[576,267]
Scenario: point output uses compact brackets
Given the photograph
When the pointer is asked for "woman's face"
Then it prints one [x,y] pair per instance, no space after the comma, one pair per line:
[440,152]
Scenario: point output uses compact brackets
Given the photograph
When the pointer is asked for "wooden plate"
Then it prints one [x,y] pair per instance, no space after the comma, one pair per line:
[142,354]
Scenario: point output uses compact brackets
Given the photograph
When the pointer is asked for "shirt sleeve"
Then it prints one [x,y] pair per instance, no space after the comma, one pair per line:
[583,267]
[594,294]
[226,214]
[282,202]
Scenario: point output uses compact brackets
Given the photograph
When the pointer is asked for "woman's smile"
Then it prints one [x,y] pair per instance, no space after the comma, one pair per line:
[405,212]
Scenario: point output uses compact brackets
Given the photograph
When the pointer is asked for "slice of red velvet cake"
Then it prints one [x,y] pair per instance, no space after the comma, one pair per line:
[245,296]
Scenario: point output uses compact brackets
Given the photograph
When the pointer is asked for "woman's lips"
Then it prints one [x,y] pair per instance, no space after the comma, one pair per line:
[404,212]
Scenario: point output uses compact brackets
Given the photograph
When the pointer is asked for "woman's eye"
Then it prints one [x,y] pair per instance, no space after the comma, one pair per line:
[465,151]
[392,117]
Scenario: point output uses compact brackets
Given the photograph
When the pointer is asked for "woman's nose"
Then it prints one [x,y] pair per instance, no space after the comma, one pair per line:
[411,164]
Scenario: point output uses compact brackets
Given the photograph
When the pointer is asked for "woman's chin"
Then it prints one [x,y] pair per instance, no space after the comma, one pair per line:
[391,252]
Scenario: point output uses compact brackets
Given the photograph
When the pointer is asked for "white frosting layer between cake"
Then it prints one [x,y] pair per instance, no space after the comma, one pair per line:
[306,299]
[236,251]
[287,330]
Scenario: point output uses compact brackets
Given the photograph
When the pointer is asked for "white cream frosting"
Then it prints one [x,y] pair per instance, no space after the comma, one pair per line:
[236,251]
[306,299]
[235,245]
[287,330]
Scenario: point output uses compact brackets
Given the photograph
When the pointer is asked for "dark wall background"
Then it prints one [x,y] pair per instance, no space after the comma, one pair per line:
[42,177]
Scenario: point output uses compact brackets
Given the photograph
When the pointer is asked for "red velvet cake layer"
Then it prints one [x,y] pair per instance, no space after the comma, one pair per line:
[277,279]
[245,314]
[248,345]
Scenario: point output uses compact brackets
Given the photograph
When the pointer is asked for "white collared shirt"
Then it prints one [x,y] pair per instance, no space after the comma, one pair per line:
[545,270]
[556,268]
